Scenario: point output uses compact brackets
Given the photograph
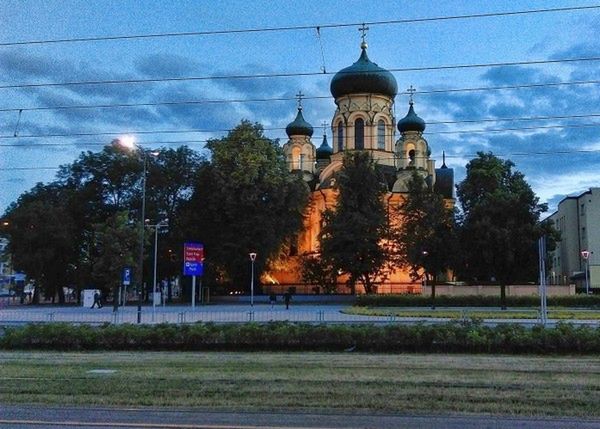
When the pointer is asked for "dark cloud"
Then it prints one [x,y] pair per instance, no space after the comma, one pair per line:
[514,75]
[169,65]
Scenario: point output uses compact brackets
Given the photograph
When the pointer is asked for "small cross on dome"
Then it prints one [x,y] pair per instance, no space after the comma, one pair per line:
[411,92]
[364,30]
[299,97]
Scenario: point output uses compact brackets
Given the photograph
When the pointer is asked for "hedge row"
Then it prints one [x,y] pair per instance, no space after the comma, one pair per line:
[411,300]
[282,336]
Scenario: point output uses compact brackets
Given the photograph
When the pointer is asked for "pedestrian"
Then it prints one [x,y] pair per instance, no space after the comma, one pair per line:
[97,300]
[272,299]
[287,298]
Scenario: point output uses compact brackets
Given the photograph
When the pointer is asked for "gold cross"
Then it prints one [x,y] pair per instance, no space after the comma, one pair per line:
[299,97]
[411,91]
[364,30]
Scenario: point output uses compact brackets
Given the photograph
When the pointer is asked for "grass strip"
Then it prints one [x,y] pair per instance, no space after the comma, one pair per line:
[347,382]
[559,314]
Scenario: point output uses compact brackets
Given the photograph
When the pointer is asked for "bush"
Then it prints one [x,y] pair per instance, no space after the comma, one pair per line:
[466,337]
[411,300]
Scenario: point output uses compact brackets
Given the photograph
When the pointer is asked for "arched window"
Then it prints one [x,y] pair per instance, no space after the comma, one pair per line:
[340,137]
[381,135]
[359,134]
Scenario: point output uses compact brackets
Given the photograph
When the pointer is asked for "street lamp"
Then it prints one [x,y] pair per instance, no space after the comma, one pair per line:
[425,253]
[162,224]
[585,254]
[252,258]
[128,144]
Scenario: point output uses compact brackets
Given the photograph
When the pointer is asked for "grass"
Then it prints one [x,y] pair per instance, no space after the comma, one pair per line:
[560,314]
[401,383]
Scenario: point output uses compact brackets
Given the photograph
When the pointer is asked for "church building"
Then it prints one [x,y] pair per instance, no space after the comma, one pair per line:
[364,96]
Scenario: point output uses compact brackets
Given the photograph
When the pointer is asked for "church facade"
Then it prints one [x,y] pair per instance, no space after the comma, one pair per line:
[364,96]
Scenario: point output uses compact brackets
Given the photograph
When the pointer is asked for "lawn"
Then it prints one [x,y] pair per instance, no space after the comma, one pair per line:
[399,383]
[445,313]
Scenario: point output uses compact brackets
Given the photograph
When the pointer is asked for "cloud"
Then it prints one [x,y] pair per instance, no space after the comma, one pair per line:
[169,65]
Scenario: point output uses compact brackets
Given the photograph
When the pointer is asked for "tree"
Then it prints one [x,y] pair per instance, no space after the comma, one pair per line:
[319,271]
[245,200]
[426,236]
[500,225]
[42,234]
[115,247]
[353,234]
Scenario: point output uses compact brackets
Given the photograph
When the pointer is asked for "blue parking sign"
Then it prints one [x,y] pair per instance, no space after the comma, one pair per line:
[126,276]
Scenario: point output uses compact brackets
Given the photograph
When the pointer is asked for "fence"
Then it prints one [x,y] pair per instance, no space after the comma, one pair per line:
[259,313]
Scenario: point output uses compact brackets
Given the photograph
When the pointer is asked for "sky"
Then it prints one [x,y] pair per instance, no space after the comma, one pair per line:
[559,154]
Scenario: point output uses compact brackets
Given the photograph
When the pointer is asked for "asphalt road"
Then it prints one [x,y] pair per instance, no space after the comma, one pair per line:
[36,417]
[223,313]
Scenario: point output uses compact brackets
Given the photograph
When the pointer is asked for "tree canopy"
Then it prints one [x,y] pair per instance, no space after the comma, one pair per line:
[353,235]
[501,222]
[245,200]
[426,236]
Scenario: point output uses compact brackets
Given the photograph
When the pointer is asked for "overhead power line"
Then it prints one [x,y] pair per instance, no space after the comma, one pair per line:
[297,27]
[464,121]
[292,74]
[448,156]
[277,99]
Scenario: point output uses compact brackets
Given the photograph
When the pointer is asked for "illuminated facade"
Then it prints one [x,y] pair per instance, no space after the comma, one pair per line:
[364,96]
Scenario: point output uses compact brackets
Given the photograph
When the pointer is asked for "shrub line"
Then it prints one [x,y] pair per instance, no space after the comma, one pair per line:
[453,337]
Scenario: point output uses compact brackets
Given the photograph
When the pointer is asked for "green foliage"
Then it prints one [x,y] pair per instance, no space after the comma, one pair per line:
[320,272]
[352,238]
[426,238]
[115,247]
[244,201]
[447,338]
[408,300]
[501,222]
[42,235]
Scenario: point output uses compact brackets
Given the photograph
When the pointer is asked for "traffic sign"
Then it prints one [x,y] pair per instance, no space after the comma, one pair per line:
[193,259]
[126,278]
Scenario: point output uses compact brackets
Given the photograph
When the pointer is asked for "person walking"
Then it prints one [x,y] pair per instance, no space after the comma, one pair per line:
[97,300]
[272,299]
[287,297]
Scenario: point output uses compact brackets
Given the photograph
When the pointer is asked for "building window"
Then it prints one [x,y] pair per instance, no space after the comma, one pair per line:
[302,161]
[340,137]
[582,211]
[359,134]
[381,135]
[583,233]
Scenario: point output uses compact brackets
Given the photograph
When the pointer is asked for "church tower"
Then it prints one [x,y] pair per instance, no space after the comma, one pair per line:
[412,150]
[364,119]
[299,151]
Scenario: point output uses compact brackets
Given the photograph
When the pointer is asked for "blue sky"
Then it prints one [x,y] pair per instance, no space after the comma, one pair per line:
[475,41]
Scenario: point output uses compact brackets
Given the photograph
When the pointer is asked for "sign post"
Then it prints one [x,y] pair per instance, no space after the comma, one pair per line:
[126,281]
[193,265]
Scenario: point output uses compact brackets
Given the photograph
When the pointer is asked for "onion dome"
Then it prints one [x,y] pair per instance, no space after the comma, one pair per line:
[299,126]
[411,122]
[444,180]
[364,76]
[324,151]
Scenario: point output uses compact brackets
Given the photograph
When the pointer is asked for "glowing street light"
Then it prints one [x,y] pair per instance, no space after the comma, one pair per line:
[252,258]
[585,254]
[128,143]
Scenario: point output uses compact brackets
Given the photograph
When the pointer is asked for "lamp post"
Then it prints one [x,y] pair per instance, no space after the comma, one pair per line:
[162,224]
[128,143]
[425,253]
[585,254]
[252,258]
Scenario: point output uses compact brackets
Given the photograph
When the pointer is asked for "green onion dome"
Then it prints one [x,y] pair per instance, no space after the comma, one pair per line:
[411,122]
[324,151]
[299,126]
[364,76]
